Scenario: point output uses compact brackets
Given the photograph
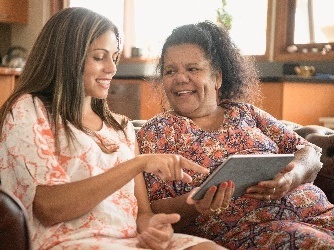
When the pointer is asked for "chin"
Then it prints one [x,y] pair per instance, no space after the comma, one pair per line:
[102,96]
[186,113]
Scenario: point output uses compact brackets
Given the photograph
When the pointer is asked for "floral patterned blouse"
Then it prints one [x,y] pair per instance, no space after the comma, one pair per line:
[28,159]
[246,129]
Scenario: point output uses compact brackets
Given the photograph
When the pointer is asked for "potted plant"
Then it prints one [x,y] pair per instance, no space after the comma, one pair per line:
[223,17]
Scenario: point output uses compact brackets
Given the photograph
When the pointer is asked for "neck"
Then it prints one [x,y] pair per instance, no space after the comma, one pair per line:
[210,121]
[90,119]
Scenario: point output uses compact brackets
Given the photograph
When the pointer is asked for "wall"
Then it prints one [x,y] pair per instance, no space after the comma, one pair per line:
[38,14]
[5,38]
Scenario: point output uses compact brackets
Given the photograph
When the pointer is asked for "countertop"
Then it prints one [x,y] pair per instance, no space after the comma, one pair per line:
[10,71]
[318,78]
[321,78]
[287,78]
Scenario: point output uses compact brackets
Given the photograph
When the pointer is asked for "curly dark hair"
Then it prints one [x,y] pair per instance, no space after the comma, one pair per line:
[240,78]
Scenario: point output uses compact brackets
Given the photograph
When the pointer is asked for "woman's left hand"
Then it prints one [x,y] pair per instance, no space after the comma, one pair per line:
[215,200]
[159,232]
[273,189]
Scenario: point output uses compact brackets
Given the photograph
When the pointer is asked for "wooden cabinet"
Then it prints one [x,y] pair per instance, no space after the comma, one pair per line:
[299,102]
[14,11]
[134,98]
[272,98]
[8,79]
[7,84]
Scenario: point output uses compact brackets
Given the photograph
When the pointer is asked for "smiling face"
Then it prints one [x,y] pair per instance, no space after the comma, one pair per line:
[100,65]
[189,81]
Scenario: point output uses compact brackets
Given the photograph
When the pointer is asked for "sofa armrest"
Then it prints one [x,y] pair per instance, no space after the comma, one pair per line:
[322,137]
[326,142]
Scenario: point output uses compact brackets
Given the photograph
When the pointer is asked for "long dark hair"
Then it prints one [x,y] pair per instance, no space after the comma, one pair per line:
[54,68]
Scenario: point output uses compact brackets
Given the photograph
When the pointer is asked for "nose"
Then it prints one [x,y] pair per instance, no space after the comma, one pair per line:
[110,67]
[181,77]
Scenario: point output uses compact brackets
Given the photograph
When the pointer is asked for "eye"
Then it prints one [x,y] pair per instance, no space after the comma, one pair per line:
[193,69]
[98,58]
[168,72]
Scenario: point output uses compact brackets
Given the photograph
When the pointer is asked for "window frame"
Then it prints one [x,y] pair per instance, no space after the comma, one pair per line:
[278,37]
[284,37]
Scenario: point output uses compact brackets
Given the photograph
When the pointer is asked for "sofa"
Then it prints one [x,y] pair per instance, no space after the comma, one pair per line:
[14,231]
[324,138]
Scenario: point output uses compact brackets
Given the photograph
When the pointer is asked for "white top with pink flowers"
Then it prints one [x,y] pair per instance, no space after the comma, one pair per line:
[28,159]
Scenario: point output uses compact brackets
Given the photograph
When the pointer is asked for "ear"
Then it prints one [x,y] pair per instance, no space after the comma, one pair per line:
[219,79]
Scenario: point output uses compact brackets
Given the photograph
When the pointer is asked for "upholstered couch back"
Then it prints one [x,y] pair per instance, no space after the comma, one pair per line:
[324,138]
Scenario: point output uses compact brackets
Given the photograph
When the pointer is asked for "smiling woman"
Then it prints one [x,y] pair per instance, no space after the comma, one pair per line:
[206,81]
[62,149]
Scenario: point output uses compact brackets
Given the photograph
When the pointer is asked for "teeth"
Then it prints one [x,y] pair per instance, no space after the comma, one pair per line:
[105,82]
[184,92]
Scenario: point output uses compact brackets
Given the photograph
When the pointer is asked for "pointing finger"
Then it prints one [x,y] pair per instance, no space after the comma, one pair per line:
[185,163]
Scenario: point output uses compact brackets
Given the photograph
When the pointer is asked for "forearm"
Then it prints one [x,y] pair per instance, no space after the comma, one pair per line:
[64,202]
[178,205]
[307,162]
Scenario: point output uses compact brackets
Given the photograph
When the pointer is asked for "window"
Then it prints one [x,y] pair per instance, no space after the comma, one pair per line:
[299,37]
[155,19]
[147,23]
[115,13]
[314,21]
[249,27]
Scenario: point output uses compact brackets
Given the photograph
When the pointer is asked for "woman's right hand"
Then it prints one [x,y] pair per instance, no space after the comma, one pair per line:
[170,166]
[215,200]
[159,233]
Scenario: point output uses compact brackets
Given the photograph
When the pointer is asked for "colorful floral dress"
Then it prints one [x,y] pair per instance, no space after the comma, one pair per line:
[27,159]
[303,219]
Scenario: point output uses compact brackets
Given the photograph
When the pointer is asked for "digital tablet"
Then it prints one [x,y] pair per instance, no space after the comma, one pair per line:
[245,171]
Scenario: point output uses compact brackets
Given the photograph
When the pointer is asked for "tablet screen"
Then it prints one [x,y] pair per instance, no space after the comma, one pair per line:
[245,171]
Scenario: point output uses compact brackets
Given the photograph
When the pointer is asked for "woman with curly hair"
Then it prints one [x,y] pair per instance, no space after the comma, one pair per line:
[209,87]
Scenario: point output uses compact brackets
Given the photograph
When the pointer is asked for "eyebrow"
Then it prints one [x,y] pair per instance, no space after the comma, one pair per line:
[107,51]
[187,64]
[101,49]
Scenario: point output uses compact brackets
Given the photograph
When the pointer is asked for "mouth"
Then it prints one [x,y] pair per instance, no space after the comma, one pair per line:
[184,92]
[105,83]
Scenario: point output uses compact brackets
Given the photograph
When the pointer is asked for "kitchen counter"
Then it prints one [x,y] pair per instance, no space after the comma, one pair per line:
[321,78]
[286,78]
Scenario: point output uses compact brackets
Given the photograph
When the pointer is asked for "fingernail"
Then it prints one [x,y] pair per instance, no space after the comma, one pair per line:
[224,184]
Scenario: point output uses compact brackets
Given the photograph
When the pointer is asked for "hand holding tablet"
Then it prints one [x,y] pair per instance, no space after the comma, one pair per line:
[245,171]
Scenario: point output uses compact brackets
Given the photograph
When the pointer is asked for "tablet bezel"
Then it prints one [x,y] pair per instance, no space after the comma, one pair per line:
[245,171]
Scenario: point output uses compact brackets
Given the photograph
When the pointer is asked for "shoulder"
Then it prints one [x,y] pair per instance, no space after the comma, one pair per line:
[161,125]
[227,104]
[28,104]
[121,119]
[23,99]
[162,120]
[240,108]
[125,123]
